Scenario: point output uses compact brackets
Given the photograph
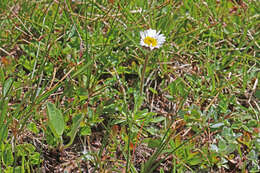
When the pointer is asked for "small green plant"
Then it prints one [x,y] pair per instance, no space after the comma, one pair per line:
[56,124]
[78,77]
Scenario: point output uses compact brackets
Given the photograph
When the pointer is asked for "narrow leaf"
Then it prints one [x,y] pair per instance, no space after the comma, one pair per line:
[76,123]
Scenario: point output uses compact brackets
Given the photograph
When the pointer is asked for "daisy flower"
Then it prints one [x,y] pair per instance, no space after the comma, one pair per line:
[152,39]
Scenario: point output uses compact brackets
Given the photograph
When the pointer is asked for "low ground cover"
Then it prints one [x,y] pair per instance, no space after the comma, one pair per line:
[84,87]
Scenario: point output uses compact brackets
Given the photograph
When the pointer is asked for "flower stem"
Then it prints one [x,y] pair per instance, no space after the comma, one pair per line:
[143,74]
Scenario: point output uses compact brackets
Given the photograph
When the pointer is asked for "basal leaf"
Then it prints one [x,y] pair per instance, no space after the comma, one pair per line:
[56,120]
[76,123]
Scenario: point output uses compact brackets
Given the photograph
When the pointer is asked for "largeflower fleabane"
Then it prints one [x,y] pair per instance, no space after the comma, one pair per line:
[152,39]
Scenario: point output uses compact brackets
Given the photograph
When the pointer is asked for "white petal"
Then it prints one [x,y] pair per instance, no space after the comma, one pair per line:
[142,43]
[142,35]
[145,33]
[152,33]
[160,38]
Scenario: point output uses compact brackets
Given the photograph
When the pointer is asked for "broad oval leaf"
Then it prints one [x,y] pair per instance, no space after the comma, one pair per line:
[56,120]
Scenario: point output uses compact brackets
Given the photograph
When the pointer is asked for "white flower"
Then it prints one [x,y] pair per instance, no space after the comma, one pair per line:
[152,39]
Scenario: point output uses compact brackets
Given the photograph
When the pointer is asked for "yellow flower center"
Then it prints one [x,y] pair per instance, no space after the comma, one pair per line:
[150,41]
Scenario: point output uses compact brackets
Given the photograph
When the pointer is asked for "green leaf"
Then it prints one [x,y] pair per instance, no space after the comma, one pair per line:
[35,158]
[252,123]
[10,169]
[7,155]
[85,131]
[7,86]
[257,94]
[138,102]
[158,119]
[2,75]
[47,94]
[3,133]
[83,69]
[25,149]
[153,90]
[76,123]
[33,127]
[154,143]
[196,160]
[177,88]
[56,120]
